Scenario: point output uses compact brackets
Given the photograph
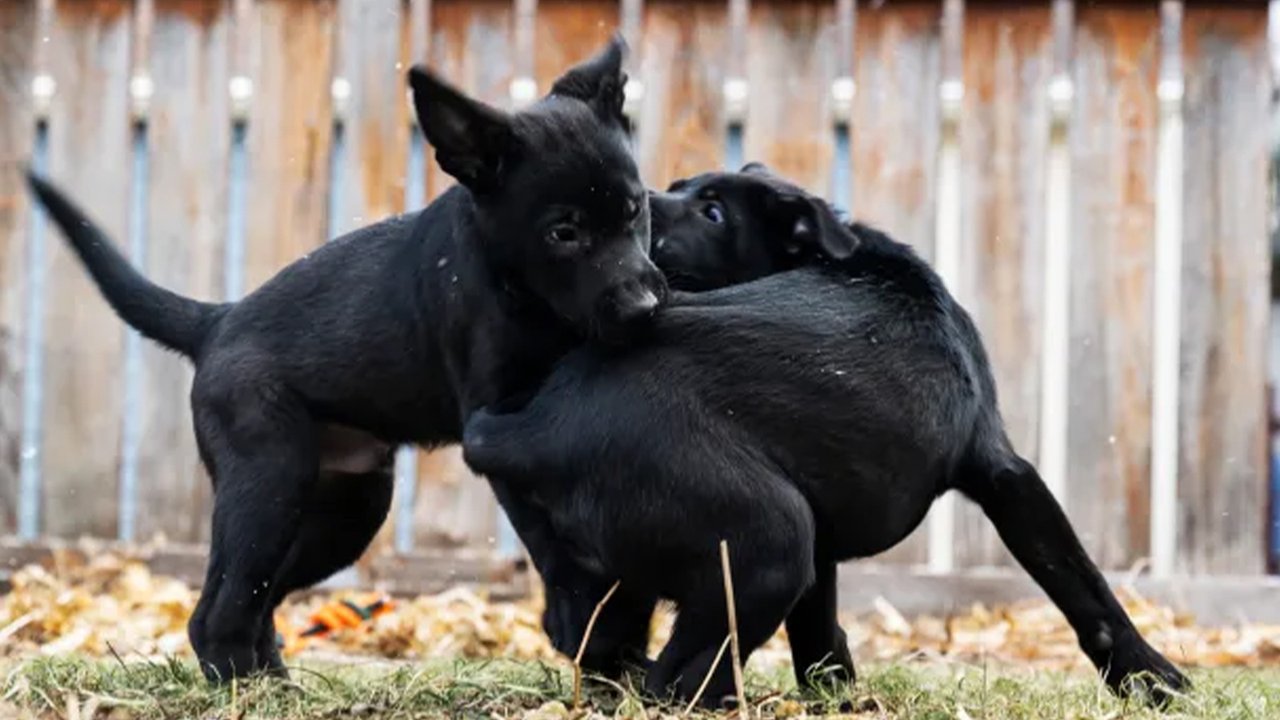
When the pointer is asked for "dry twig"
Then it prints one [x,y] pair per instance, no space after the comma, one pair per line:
[743,710]
[707,680]
[582,647]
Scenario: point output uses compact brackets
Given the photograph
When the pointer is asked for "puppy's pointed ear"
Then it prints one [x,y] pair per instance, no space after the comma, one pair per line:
[472,140]
[599,82]
[809,223]
[756,168]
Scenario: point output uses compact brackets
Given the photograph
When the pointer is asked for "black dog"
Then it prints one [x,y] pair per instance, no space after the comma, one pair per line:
[807,417]
[391,334]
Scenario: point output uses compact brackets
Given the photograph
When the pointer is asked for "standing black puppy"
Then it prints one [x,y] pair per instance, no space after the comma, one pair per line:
[391,334]
[807,417]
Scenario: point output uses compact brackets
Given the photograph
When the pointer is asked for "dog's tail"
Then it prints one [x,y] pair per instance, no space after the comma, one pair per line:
[177,322]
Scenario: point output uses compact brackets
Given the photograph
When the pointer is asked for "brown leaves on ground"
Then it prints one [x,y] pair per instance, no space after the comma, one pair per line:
[111,605]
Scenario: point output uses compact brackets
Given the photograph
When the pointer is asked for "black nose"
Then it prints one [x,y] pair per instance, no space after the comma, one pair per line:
[663,209]
[636,302]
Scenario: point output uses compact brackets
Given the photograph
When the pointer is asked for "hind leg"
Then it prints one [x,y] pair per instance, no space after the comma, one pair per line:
[771,560]
[621,633]
[819,646]
[763,595]
[1037,532]
[341,515]
[263,454]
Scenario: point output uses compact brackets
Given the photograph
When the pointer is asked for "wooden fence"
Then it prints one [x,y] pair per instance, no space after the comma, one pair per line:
[1091,179]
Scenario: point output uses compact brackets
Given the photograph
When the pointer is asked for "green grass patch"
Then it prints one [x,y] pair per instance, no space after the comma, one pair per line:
[74,689]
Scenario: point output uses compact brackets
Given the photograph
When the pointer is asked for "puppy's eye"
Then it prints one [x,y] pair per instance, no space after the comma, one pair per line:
[632,209]
[713,212]
[562,234]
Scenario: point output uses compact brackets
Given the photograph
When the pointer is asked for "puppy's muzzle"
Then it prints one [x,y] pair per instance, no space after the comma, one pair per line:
[636,300]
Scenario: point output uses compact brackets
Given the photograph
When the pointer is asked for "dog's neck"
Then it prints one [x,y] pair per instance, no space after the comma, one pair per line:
[501,338]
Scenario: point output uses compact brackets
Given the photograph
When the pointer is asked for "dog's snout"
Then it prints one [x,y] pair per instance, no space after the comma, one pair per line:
[637,304]
[637,298]
[663,209]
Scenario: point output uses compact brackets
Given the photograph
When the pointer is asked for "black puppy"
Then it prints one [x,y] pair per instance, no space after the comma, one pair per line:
[391,334]
[807,417]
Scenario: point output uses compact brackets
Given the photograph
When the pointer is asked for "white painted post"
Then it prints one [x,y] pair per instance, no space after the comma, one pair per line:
[942,517]
[1168,299]
[1055,342]
[1055,368]
[942,520]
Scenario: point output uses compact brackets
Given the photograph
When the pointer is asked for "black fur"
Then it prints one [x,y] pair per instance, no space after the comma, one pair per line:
[390,335]
[808,416]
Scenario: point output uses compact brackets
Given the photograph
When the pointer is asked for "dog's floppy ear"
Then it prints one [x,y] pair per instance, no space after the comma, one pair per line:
[810,223]
[599,82]
[472,140]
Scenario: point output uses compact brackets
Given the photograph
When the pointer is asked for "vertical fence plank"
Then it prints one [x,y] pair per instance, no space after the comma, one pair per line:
[188,135]
[376,117]
[289,133]
[791,61]
[89,143]
[895,136]
[372,55]
[896,119]
[1223,468]
[17,61]
[681,124]
[1113,160]
[567,32]
[1004,140]
[471,43]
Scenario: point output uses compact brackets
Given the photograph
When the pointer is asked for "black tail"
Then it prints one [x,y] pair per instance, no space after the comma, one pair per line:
[176,322]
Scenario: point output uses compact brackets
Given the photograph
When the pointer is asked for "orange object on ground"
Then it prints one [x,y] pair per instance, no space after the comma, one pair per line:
[337,615]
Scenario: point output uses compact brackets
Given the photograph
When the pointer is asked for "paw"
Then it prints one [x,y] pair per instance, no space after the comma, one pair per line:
[683,684]
[1136,669]
[223,662]
[834,673]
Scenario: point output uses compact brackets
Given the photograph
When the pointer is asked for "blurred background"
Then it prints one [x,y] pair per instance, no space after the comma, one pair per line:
[1092,180]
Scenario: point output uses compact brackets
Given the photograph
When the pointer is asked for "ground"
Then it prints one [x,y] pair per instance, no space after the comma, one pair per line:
[104,638]
[73,689]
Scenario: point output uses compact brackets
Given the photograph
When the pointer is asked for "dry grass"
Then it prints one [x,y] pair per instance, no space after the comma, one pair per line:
[75,689]
[457,655]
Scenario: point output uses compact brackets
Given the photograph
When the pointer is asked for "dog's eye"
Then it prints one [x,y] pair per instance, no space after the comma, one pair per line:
[632,209]
[563,234]
[713,212]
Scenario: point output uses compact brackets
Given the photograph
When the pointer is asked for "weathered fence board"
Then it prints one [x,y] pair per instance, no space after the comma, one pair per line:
[375,124]
[299,188]
[188,139]
[471,43]
[681,126]
[791,61]
[17,62]
[289,133]
[895,136]
[1004,130]
[895,132]
[1113,227]
[1222,489]
[89,154]
[372,58]
[567,32]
